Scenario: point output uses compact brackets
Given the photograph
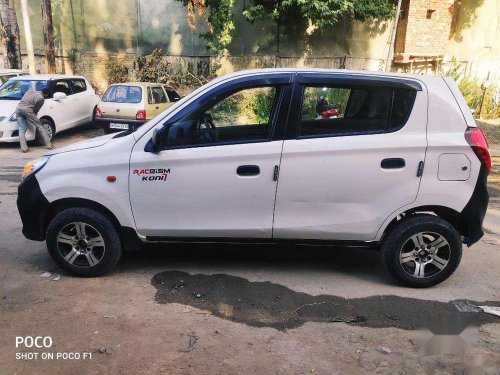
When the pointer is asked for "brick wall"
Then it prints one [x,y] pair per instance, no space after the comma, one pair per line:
[424,27]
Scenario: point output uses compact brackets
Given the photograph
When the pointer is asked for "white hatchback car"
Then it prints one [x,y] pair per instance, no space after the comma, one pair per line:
[402,168]
[71,102]
[6,74]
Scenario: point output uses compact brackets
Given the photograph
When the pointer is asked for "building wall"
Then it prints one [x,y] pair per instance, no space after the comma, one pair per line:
[467,30]
[427,26]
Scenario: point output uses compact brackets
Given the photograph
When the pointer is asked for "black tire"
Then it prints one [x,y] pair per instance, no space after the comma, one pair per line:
[48,125]
[439,260]
[93,124]
[107,255]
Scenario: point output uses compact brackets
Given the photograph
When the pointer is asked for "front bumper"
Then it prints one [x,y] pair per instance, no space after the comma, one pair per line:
[105,124]
[32,206]
[475,210]
[9,131]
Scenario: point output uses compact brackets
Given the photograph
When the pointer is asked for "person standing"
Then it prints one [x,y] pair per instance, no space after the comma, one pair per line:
[26,114]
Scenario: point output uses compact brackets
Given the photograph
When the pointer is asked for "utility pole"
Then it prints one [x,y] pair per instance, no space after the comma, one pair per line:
[390,55]
[27,36]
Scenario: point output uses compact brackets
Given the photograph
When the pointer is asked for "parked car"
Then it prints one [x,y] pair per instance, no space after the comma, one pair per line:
[6,74]
[402,171]
[126,106]
[71,102]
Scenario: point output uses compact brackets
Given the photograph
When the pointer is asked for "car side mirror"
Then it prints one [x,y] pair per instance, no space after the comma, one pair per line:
[59,96]
[159,139]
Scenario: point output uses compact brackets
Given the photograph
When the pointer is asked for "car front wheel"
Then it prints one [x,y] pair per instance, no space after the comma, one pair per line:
[422,251]
[49,129]
[84,242]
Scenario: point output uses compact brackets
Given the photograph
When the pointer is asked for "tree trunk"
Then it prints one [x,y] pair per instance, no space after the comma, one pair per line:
[9,35]
[48,36]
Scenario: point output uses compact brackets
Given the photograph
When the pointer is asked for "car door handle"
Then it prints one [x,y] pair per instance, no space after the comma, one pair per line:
[393,163]
[248,170]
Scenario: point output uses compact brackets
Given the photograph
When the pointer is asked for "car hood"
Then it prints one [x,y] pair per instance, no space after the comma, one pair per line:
[8,107]
[89,143]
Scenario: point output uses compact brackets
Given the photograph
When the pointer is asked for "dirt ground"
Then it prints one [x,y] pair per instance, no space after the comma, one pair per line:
[228,309]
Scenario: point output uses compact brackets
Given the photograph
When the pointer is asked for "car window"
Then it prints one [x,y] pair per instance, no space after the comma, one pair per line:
[172,95]
[78,85]
[15,89]
[354,110]
[62,86]
[156,95]
[244,116]
[123,94]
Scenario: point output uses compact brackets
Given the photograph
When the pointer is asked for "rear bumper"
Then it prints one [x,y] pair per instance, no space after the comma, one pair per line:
[475,210]
[32,206]
[105,123]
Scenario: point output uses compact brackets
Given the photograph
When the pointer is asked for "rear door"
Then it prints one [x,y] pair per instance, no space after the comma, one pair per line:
[157,101]
[82,99]
[351,157]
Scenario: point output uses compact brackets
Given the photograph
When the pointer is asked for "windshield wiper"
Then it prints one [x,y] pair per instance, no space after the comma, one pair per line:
[9,98]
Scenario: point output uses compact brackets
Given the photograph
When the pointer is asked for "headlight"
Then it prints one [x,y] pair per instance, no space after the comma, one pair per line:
[13,117]
[34,166]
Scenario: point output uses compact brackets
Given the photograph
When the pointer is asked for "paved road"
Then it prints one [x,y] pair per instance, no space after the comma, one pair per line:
[229,309]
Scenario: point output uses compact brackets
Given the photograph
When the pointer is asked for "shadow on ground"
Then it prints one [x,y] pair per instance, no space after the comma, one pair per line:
[265,304]
[359,263]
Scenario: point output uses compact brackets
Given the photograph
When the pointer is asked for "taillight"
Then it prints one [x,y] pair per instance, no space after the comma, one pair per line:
[141,114]
[476,139]
[98,112]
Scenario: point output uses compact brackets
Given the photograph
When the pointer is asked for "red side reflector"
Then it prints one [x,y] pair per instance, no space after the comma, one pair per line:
[477,141]
[111,178]
[141,114]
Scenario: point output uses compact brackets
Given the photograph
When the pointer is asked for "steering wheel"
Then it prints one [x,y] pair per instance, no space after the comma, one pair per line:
[209,125]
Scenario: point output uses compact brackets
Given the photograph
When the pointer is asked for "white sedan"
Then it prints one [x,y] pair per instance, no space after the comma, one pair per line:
[71,102]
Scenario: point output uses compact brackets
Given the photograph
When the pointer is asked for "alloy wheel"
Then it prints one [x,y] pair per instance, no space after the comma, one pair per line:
[81,245]
[424,254]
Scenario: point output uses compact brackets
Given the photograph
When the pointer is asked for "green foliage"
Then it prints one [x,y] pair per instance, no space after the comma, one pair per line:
[336,97]
[251,106]
[473,95]
[291,13]
[219,15]
[321,13]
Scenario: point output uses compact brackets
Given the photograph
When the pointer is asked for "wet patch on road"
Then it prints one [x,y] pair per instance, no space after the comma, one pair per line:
[265,304]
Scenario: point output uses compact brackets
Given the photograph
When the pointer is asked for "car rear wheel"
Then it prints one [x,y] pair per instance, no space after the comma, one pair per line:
[49,129]
[422,251]
[84,242]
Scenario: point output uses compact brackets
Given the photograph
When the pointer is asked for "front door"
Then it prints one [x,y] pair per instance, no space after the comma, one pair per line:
[214,175]
[352,157]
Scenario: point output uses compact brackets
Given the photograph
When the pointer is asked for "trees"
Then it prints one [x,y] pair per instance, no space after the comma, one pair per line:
[9,35]
[302,14]
[48,36]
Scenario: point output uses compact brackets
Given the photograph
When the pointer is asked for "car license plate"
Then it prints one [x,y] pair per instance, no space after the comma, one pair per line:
[113,125]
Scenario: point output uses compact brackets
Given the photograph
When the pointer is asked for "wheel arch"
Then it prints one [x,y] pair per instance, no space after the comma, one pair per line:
[128,235]
[455,218]
[61,204]
[51,120]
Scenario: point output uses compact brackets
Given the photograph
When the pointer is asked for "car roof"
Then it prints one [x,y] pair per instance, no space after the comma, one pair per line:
[45,77]
[141,84]
[13,71]
[365,73]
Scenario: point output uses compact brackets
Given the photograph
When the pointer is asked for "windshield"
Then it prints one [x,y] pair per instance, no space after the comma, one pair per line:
[123,94]
[14,90]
